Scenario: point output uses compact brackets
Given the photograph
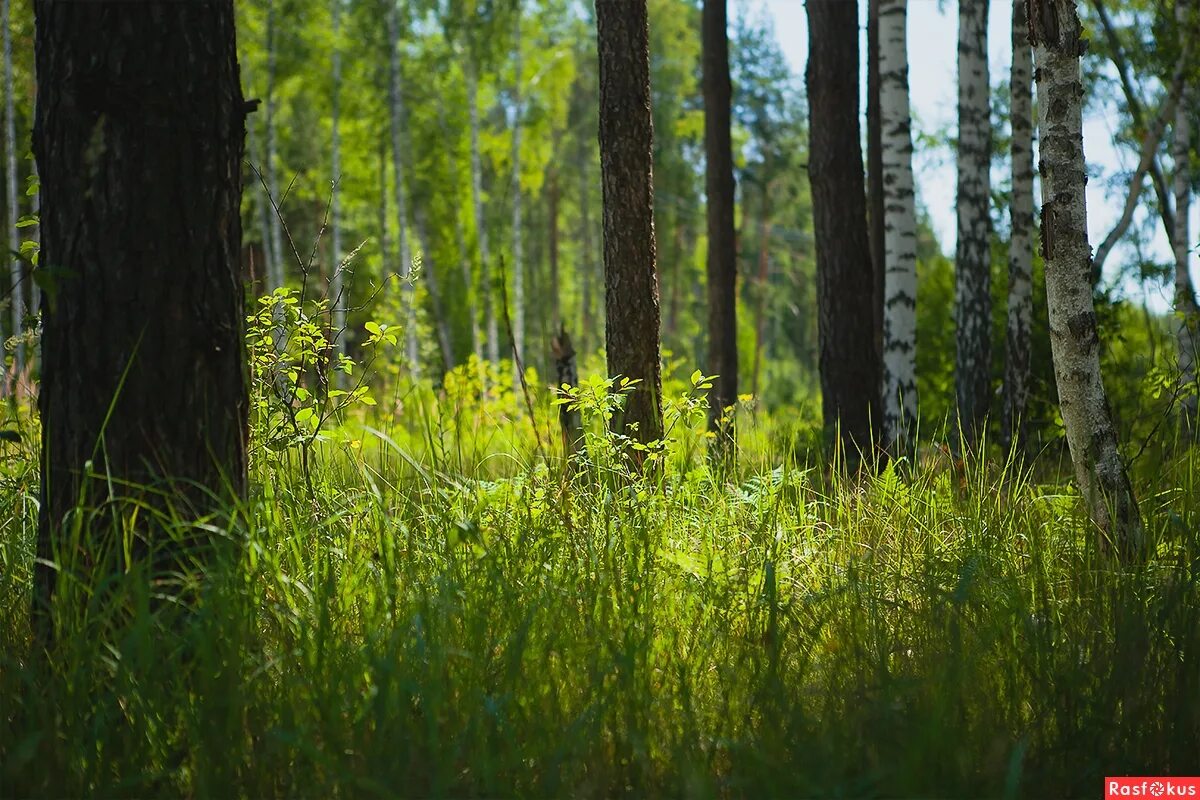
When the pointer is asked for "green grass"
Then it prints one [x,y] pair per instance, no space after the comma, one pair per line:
[478,627]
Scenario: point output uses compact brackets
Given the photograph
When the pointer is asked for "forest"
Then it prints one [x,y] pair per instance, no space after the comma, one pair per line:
[600,398]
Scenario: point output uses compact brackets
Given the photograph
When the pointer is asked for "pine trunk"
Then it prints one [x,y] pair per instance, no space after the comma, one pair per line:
[396,106]
[851,374]
[138,137]
[1054,33]
[1020,247]
[721,259]
[900,232]
[973,259]
[626,166]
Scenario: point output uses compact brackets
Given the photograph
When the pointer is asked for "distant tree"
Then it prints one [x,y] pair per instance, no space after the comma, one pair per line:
[10,200]
[1186,309]
[626,166]
[722,244]
[274,246]
[875,179]
[900,232]
[1055,35]
[139,133]
[337,288]
[849,362]
[1020,248]
[518,265]
[396,108]
[973,260]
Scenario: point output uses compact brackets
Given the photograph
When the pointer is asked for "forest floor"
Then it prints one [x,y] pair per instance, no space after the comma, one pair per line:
[397,623]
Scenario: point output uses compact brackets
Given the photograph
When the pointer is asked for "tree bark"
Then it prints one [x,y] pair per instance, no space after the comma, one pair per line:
[1020,246]
[900,233]
[721,259]
[1186,311]
[849,364]
[973,260]
[626,166]
[139,133]
[1054,33]
[396,105]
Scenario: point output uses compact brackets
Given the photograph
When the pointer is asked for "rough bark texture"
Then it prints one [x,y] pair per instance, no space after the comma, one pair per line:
[973,261]
[900,232]
[719,193]
[1186,311]
[138,136]
[1054,32]
[337,298]
[10,170]
[631,330]
[875,179]
[849,364]
[1020,247]
[408,298]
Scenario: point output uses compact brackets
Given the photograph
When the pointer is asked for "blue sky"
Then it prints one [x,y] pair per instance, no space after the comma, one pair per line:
[932,50]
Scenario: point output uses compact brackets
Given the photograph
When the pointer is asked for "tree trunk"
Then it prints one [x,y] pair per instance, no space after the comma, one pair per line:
[430,273]
[261,275]
[1186,311]
[518,266]
[721,260]
[1020,246]
[275,257]
[1054,33]
[481,237]
[849,365]
[16,298]
[552,238]
[900,233]
[337,300]
[876,214]
[764,270]
[459,238]
[586,269]
[138,136]
[396,105]
[626,166]
[973,259]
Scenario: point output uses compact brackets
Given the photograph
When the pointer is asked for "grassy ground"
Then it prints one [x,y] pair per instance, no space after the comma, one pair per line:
[446,616]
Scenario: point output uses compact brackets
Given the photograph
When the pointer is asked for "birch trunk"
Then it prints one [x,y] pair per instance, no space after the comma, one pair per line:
[1054,33]
[396,105]
[900,231]
[518,266]
[460,240]
[1020,248]
[973,282]
[10,171]
[481,237]
[1186,312]
[337,300]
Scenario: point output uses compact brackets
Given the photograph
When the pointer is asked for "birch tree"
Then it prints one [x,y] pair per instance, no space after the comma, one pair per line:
[900,230]
[408,304]
[973,284]
[1186,311]
[1020,248]
[10,171]
[1055,35]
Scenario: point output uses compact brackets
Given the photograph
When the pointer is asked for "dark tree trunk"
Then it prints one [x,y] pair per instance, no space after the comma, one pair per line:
[722,246]
[139,135]
[849,364]
[552,243]
[875,204]
[626,166]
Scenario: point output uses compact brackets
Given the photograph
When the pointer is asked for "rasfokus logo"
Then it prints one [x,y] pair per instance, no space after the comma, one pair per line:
[1153,788]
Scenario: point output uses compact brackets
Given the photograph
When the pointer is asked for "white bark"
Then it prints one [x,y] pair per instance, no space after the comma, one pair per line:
[10,160]
[1103,483]
[485,266]
[973,257]
[1187,324]
[900,230]
[518,268]
[396,105]
[337,300]
[1020,245]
